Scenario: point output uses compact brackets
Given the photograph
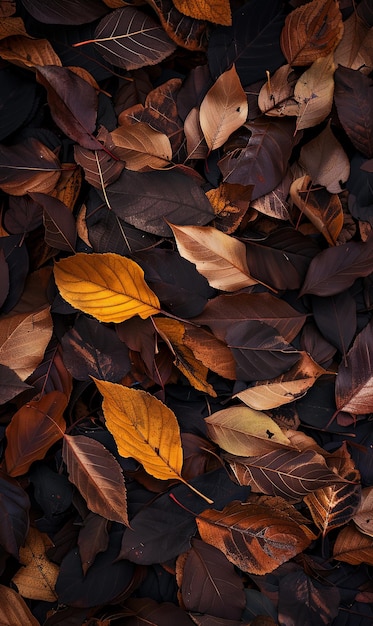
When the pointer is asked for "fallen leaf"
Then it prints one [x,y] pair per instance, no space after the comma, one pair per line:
[363,517]
[314,92]
[14,610]
[352,546]
[140,146]
[38,578]
[218,13]
[27,52]
[355,48]
[28,166]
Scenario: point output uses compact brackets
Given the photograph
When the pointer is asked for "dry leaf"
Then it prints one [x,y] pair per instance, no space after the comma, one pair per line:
[38,578]
[141,147]
[27,52]
[218,12]
[245,432]
[352,546]
[108,286]
[276,97]
[196,143]
[217,256]
[355,50]
[314,92]
[14,610]
[10,26]
[214,353]
[223,109]
[363,518]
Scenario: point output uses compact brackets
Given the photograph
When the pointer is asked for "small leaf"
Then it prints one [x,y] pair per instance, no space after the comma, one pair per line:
[219,12]
[223,109]
[59,223]
[108,286]
[97,475]
[28,166]
[38,578]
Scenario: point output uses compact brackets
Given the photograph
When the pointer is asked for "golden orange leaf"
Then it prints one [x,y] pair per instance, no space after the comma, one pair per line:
[143,428]
[218,12]
[108,286]
[213,352]
[38,578]
[223,109]
[69,184]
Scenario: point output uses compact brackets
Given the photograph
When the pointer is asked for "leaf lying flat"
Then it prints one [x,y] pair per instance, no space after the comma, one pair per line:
[314,92]
[354,384]
[38,578]
[97,475]
[219,12]
[286,473]
[14,610]
[354,102]
[141,147]
[28,166]
[352,546]
[108,286]
[131,39]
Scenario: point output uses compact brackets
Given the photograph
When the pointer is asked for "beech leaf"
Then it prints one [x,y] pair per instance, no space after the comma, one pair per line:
[97,475]
[108,286]
[143,428]
[223,109]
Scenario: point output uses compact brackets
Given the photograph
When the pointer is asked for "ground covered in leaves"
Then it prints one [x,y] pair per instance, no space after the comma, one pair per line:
[186,294]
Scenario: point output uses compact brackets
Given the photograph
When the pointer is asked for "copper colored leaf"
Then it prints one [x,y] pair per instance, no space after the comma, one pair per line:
[23,340]
[34,428]
[336,504]
[72,102]
[353,98]
[335,269]
[256,537]
[131,39]
[219,12]
[141,147]
[287,473]
[363,517]
[185,31]
[311,31]
[223,109]
[269,394]
[356,46]
[244,431]
[27,52]
[217,256]
[314,92]
[14,610]
[354,384]
[59,223]
[325,161]
[214,353]
[38,578]
[10,26]
[323,209]
[108,286]
[100,169]
[97,475]
[352,546]
[28,166]
[210,584]
[66,12]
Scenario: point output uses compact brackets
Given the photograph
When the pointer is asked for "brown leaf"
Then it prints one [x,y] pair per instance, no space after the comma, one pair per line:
[324,210]
[185,31]
[352,546]
[141,147]
[214,353]
[314,92]
[219,12]
[197,147]
[34,428]
[311,31]
[230,203]
[28,166]
[363,517]
[100,169]
[255,536]
[28,53]
[276,96]
[93,538]
[97,475]
[356,46]
[59,223]
[38,578]
[274,204]
[353,98]
[10,26]
[14,610]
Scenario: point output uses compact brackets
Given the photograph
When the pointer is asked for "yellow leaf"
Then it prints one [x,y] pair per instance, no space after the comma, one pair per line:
[244,432]
[143,428]
[218,12]
[314,92]
[140,146]
[218,257]
[14,610]
[193,369]
[223,109]
[108,286]
[38,578]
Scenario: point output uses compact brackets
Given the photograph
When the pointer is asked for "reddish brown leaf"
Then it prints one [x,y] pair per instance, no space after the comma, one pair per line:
[100,169]
[93,539]
[352,546]
[14,610]
[353,97]
[28,166]
[59,223]
[185,31]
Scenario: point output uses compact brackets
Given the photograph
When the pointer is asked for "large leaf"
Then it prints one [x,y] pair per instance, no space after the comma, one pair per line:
[28,52]
[244,431]
[335,269]
[73,103]
[28,166]
[287,473]
[217,256]
[223,109]
[148,199]
[14,610]
[131,39]
[311,31]
[108,286]
[354,102]
[258,535]
[252,42]
[97,475]
[34,428]
[210,583]
[143,428]
[353,389]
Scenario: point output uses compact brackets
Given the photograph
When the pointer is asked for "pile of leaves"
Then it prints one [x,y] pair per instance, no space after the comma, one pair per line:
[186,295]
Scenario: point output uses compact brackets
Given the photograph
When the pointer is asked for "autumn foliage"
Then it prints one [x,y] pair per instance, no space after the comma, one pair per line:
[186,297]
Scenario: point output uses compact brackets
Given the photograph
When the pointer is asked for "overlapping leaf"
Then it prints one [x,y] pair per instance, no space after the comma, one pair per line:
[38,578]
[28,166]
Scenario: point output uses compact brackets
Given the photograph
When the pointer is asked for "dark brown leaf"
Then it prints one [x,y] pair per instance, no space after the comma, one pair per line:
[185,31]
[28,166]
[59,223]
[353,96]
[65,11]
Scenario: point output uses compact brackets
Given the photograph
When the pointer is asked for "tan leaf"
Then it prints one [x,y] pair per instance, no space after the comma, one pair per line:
[323,209]
[10,26]
[276,97]
[363,518]
[38,578]
[245,432]
[197,147]
[223,109]
[69,185]
[140,146]
[8,8]
[218,257]
[87,76]
[269,394]
[314,92]
[26,52]
[23,340]
[143,428]
[214,353]
[195,371]
[352,546]
[14,610]
[108,286]
[256,536]
[311,31]
[355,50]
[325,161]
[218,12]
